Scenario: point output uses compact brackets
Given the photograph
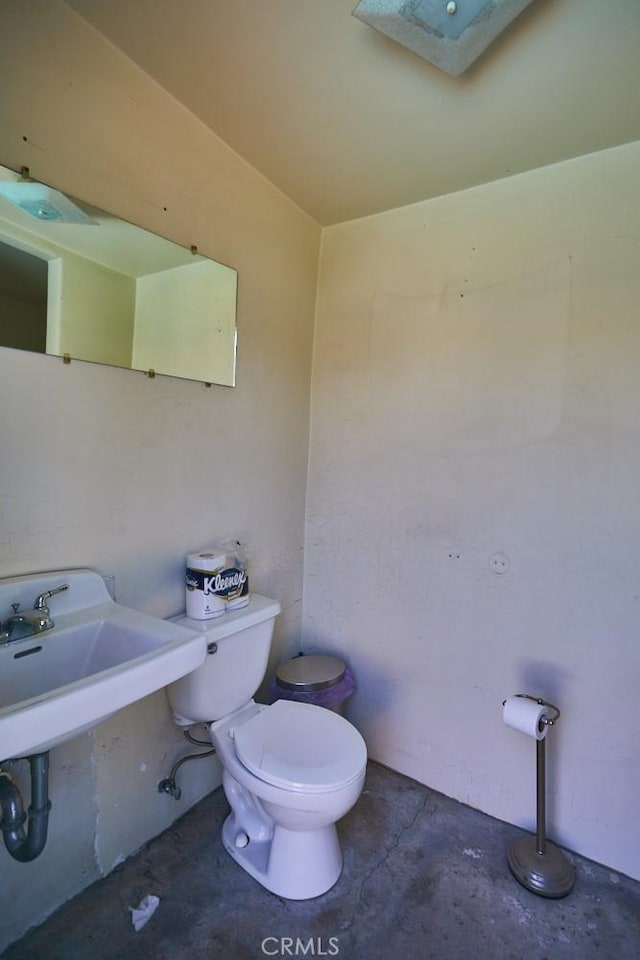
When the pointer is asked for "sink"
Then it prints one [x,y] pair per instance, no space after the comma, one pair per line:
[99,657]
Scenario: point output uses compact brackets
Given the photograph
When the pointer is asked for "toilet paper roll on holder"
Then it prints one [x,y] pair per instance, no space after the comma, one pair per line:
[535,862]
[547,721]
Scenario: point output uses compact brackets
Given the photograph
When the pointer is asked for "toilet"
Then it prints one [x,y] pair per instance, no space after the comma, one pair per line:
[290,770]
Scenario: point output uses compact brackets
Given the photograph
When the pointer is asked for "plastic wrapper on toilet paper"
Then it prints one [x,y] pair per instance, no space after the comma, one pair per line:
[330,697]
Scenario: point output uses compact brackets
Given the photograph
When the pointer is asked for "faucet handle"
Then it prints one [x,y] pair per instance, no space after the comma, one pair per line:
[40,603]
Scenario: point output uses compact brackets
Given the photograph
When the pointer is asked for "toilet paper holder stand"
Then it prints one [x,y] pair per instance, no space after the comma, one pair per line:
[535,862]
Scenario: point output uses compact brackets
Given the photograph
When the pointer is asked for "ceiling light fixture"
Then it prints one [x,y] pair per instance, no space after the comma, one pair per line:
[451,35]
[42,202]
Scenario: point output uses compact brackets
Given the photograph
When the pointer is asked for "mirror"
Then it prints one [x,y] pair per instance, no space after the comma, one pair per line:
[77,282]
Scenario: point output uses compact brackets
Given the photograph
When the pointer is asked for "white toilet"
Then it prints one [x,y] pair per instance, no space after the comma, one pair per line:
[290,770]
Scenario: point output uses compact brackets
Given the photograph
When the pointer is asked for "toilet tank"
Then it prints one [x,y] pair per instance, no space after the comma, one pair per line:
[238,651]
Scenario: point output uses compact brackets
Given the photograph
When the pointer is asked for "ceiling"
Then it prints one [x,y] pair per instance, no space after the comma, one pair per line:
[347,122]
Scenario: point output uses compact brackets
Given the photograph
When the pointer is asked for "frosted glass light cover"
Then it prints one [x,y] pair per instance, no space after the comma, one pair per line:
[449,40]
[43,202]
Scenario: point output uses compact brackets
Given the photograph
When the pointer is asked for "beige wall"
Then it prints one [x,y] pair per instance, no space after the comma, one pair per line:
[185,322]
[91,311]
[79,287]
[475,406]
[109,469]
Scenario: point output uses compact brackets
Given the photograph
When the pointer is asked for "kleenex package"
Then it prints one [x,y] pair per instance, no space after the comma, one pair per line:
[217,580]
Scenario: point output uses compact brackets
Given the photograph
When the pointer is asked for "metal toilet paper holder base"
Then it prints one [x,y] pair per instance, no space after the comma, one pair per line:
[535,862]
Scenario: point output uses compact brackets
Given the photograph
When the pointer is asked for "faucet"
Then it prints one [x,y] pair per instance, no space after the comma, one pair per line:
[30,622]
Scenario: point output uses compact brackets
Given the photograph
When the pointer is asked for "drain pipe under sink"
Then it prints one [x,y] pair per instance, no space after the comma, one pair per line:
[26,846]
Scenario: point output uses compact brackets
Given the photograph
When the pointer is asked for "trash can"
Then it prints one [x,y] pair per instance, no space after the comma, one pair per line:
[318,679]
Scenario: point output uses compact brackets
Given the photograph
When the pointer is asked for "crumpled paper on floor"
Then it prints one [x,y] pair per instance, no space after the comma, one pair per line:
[144,911]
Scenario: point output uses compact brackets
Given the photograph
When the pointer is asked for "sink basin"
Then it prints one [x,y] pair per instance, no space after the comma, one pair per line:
[99,657]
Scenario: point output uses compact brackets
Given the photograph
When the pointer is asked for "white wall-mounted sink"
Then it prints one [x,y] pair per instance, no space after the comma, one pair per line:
[98,658]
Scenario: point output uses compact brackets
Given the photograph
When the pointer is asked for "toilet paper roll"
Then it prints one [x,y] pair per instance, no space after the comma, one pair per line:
[526,715]
[202,602]
[207,560]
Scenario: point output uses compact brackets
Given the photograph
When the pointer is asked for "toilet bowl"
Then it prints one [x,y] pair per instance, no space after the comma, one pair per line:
[290,770]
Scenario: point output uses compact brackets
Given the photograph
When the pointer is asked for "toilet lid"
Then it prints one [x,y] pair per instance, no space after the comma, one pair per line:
[301,747]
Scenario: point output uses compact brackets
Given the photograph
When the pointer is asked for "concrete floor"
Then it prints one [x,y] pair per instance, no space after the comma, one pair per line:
[424,878]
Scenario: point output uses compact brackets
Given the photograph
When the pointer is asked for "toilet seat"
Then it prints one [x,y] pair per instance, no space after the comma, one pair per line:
[299,746]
